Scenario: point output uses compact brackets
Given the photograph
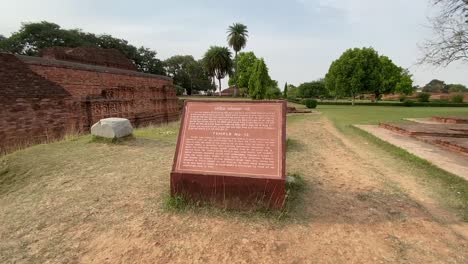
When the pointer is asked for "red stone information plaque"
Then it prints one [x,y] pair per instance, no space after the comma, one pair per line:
[231,150]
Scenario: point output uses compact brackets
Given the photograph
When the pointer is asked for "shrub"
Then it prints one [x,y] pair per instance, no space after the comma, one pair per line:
[402,98]
[424,97]
[179,90]
[310,103]
[408,103]
[458,98]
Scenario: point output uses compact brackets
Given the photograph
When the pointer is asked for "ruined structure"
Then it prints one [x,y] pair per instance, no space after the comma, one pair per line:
[67,90]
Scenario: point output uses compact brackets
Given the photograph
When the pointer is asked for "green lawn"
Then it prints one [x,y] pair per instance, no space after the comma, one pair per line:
[345,116]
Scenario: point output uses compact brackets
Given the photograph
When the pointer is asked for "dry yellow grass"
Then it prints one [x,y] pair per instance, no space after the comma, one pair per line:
[79,201]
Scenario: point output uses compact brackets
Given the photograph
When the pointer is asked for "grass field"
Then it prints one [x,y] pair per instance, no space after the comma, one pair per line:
[81,200]
[345,116]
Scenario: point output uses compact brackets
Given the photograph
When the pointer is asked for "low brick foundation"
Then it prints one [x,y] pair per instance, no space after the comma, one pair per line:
[450,120]
[451,136]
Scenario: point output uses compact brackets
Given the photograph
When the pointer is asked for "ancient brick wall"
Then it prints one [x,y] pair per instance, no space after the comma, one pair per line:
[33,109]
[44,99]
[142,99]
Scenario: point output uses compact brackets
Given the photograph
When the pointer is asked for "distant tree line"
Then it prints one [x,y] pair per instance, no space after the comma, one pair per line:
[438,86]
[190,76]
[32,37]
[357,71]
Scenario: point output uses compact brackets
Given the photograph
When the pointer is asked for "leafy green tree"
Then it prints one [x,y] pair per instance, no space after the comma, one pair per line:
[390,77]
[285,90]
[237,39]
[456,88]
[435,86]
[218,63]
[259,80]
[360,71]
[356,71]
[246,60]
[273,92]
[292,91]
[315,89]
[424,97]
[188,73]
[405,85]
[457,98]
[146,61]
[32,37]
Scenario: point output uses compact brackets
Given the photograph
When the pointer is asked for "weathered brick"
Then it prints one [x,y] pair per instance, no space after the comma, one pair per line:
[43,99]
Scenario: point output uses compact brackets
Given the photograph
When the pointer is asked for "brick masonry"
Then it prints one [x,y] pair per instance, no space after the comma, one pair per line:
[44,99]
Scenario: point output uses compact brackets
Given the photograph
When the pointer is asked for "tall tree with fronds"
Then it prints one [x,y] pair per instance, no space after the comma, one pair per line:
[237,39]
[218,63]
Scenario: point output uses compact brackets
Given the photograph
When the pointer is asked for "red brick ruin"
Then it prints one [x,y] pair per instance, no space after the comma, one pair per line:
[69,89]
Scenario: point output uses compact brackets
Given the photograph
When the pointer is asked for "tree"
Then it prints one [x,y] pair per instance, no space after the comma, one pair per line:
[363,70]
[315,89]
[188,73]
[390,77]
[146,61]
[259,80]
[456,88]
[285,90]
[32,37]
[237,39]
[451,34]
[356,71]
[435,86]
[245,68]
[405,85]
[218,63]
[273,92]
[292,91]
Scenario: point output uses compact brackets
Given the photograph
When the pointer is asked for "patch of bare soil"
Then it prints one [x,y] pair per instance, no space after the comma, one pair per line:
[357,209]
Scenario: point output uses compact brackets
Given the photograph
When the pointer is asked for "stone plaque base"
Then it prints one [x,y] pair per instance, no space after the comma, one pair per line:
[230,191]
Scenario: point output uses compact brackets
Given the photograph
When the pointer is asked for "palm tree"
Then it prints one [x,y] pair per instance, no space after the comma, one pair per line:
[237,39]
[218,63]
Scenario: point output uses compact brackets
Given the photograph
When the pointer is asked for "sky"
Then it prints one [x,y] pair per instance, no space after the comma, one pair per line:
[298,38]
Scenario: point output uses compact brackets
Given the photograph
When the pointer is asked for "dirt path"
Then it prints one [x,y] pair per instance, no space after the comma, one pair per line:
[356,210]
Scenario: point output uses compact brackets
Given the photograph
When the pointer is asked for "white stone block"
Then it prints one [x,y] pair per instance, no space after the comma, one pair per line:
[112,128]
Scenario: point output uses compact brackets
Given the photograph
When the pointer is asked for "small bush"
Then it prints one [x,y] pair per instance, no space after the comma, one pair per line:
[408,103]
[402,98]
[310,103]
[177,203]
[424,97]
[179,90]
[458,98]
